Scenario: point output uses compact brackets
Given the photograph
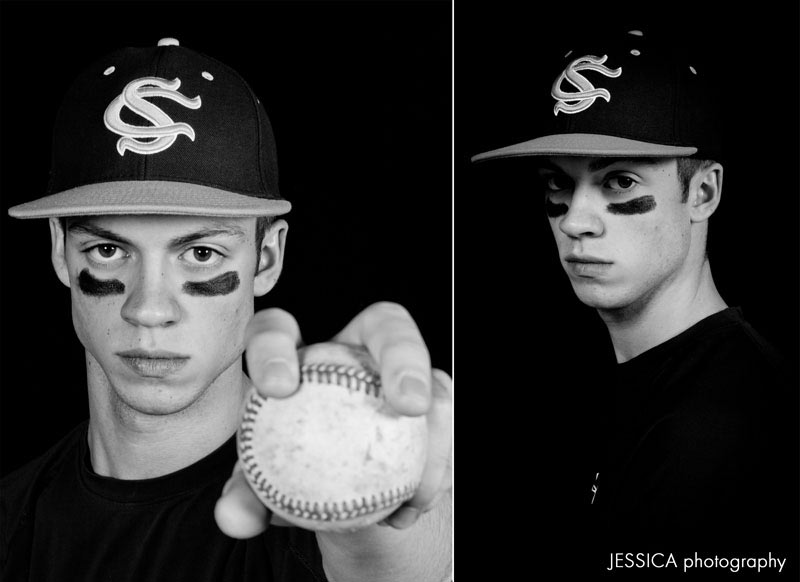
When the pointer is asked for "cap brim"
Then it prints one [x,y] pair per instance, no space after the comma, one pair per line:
[149,197]
[586,144]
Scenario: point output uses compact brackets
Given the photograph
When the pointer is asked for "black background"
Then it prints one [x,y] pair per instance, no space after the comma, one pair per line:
[360,98]
[539,349]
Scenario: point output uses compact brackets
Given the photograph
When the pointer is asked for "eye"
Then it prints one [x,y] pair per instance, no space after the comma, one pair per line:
[106,253]
[555,183]
[201,256]
[620,182]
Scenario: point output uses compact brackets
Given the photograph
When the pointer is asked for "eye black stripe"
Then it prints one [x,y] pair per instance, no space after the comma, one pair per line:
[220,285]
[640,205]
[99,288]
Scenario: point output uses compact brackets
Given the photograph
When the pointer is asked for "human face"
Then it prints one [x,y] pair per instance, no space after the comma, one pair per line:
[622,232]
[161,303]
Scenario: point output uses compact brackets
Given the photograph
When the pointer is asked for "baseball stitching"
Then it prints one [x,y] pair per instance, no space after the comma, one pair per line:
[347,377]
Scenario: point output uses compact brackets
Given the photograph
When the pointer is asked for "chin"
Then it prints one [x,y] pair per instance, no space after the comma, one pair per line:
[601,305]
[598,297]
[156,398]
[590,294]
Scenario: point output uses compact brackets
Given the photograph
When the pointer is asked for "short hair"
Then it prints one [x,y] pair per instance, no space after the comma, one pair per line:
[262,224]
[687,168]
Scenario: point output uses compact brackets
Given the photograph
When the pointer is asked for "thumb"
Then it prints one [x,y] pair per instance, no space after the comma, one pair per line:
[238,512]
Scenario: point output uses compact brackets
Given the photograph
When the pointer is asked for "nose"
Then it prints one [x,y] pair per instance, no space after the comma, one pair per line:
[152,301]
[582,217]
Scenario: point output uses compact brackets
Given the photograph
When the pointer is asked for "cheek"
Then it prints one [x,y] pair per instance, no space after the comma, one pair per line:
[95,318]
[221,320]
[671,237]
[558,235]
[657,246]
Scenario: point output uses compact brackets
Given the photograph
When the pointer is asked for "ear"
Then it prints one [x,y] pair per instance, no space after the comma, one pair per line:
[57,250]
[270,259]
[705,192]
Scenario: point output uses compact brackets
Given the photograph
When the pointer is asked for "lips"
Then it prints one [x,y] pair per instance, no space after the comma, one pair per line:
[153,364]
[573,258]
[586,266]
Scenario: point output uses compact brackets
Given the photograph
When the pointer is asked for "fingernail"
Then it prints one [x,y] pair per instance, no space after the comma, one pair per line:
[413,389]
[276,375]
[405,517]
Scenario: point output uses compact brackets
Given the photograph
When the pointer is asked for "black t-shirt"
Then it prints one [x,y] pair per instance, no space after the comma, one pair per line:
[700,452]
[61,521]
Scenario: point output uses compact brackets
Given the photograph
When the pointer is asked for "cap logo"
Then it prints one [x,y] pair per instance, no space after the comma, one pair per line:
[163,132]
[582,99]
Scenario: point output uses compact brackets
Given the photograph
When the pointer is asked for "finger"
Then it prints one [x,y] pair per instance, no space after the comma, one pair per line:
[444,449]
[436,477]
[271,340]
[238,512]
[391,336]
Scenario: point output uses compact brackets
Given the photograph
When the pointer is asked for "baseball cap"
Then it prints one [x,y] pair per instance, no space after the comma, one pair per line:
[628,95]
[160,130]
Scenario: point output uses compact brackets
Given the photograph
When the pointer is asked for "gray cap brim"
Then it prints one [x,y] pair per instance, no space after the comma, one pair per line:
[586,144]
[149,197]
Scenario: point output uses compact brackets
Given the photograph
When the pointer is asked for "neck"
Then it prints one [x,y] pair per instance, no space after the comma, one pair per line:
[663,315]
[126,443]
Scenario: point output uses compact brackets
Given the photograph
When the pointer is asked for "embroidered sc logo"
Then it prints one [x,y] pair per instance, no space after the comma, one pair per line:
[163,132]
[587,93]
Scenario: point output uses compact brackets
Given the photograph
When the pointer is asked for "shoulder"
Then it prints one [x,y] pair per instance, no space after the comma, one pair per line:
[730,331]
[737,402]
[23,475]
[20,488]
[724,396]
[719,441]
[727,359]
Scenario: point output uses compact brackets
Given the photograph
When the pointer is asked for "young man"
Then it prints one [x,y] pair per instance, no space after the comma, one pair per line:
[699,451]
[163,206]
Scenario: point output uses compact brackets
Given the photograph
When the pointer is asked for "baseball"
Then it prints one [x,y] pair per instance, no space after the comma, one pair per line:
[333,456]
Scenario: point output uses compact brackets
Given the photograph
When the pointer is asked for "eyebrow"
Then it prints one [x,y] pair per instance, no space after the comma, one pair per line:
[229,231]
[226,230]
[600,163]
[94,230]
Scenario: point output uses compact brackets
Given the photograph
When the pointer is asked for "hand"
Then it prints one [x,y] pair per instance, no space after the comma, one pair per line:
[411,388]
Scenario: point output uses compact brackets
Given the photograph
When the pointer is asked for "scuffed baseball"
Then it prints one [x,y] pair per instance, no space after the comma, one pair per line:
[333,456]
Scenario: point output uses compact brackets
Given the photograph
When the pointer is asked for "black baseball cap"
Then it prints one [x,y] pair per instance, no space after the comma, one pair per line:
[160,130]
[627,95]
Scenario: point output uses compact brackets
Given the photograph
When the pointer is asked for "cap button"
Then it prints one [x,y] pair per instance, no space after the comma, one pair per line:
[169,42]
